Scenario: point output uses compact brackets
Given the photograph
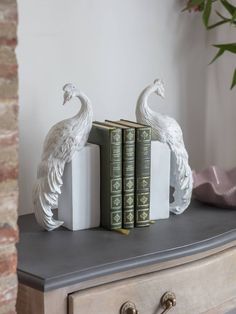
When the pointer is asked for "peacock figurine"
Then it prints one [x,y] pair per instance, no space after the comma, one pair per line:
[166,130]
[61,142]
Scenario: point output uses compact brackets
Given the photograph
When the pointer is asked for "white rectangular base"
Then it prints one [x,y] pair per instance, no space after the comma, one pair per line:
[160,181]
[79,202]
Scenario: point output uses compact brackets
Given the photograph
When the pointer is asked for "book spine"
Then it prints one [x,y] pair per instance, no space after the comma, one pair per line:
[142,182]
[115,179]
[110,143]
[128,177]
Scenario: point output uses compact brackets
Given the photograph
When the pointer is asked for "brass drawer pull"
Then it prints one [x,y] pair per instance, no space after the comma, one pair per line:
[128,308]
[168,301]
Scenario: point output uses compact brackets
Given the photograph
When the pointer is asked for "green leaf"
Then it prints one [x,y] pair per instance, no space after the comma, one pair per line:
[201,6]
[206,13]
[233,18]
[225,19]
[217,24]
[231,47]
[195,2]
[234,80]
[222,48]
[219,53]
[229,7]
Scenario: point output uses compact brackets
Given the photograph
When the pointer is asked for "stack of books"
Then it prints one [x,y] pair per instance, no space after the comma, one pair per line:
[125,166]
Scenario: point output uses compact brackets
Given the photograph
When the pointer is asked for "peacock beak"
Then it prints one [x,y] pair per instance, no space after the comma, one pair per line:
[64,102]
[159,93]
[67,97]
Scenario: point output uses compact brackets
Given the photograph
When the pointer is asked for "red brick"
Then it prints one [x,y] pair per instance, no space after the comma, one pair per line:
[8,290]
[7,56]
[11,311]
[8,160]
[9,2]
[7,188]
[8,88]
[8,202]
[8,234]
[8,117]
[10,101]
[8,264]
[8,295]
[8,156]
[8,71]
[8,137]
[8,30]
[8,172]
[8,308]
[8,10]
[8,42]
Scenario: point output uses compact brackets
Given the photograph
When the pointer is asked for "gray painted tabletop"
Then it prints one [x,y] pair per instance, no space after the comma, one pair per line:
[50,260]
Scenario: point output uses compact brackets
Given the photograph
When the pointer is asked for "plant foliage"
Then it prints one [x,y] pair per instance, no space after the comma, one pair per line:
[206,8]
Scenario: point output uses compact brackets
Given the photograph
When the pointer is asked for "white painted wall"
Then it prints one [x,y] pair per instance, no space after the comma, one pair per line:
[111,49]
[221,103]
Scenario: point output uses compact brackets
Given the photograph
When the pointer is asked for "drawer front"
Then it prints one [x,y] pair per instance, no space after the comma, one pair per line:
[198,286]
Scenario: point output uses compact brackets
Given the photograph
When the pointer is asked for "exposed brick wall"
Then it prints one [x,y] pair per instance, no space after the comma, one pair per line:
[8,156]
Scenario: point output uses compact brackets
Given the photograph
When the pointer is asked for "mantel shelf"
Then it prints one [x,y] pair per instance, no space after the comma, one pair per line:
[50,260]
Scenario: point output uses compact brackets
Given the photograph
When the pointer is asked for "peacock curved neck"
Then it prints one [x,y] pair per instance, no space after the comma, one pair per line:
[143,108]
[84,116]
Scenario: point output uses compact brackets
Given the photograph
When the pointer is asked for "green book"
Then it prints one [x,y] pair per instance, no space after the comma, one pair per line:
[128,167]
[110,141]
[143,135]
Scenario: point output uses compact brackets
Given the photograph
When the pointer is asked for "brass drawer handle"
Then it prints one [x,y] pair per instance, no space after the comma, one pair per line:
[168,301]
[128,308]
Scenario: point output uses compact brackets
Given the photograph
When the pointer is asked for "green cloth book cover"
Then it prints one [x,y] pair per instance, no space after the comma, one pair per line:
[110,141]
[143,136]
[128,171]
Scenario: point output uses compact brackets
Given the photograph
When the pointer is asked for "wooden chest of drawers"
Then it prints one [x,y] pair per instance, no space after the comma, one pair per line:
[97,271]
[198,286]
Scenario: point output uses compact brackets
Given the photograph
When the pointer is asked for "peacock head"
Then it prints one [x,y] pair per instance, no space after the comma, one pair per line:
[70,91]
[159,88]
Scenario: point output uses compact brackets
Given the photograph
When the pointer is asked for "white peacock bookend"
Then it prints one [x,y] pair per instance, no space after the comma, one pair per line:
[62,141]
[166,130]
